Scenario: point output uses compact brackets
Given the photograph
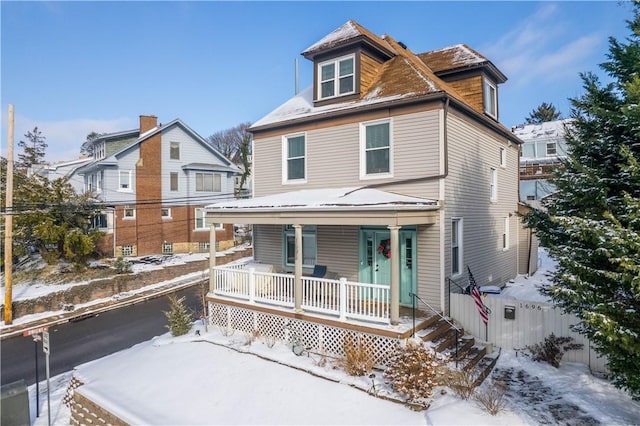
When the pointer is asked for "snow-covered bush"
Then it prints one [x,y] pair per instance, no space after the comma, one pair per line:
[552,349]
[180,319]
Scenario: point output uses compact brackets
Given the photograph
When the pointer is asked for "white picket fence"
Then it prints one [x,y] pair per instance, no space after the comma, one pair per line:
[532,322]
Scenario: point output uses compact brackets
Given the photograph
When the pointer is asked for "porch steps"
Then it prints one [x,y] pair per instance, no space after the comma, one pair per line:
[441,336]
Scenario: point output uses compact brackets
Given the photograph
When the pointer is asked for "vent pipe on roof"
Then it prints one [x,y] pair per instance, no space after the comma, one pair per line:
[404,46]
[296,76]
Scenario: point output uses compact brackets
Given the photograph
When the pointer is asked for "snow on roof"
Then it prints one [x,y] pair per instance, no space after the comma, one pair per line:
[332,198]
[345,32]
[548,129]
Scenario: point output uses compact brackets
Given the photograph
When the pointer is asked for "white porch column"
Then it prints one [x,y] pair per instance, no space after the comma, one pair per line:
[298,269]
[395,275]
[212,257]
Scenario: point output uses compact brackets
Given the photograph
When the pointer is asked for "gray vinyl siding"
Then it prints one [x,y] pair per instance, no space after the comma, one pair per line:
[467,195]
[111,182]
[191,151]
[333,157]
[428,272]
[337,248]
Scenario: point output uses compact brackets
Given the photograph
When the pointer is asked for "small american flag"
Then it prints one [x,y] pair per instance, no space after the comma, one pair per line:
[475,293]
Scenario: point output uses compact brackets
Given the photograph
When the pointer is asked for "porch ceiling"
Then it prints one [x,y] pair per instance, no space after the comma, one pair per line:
[338,206]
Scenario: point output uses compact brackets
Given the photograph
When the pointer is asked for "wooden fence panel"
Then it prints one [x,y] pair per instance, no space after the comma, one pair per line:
[532,323]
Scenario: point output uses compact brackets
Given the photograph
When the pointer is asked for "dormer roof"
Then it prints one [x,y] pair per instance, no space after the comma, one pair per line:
[458,58]
[347,35]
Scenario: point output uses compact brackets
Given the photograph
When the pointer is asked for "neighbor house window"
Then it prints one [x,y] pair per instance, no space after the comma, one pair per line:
[456,246]
[490,99]
[295,153]
[167,248]
[208,182]
[100,221]
[165,212]
[505,233]
[173,181]
[309,250]
[551,148]
[503,157]
[127,250]
[337,77]
[201,220]
[203,247]
[124,180]
[375,146]
[99,181]
[494,184]
[129,213]
[174,151]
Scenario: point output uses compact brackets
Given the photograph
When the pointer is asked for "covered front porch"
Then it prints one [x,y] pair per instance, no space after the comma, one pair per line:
[382,217]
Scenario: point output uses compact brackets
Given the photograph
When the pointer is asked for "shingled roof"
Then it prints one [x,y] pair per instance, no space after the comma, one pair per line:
[457,58]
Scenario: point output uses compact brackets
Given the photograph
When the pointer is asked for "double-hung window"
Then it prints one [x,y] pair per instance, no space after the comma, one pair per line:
[201,220]
[174,150]
[208,182]
[490,99]
[294,150]
[456,246]
[124,183]
[505,233]
[503,157]
[337,77]
[375,149]
[173,181]
[551,148]
[309,248]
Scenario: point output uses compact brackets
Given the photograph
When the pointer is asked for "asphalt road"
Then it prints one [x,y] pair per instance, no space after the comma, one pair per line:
[77,342]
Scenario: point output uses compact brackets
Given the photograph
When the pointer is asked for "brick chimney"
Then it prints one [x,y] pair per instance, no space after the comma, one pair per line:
[147,122]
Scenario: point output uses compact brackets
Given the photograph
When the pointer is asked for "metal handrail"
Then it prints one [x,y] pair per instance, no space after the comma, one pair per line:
[415,297]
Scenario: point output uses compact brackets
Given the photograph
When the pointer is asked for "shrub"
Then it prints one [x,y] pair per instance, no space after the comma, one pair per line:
[462,382]
[122,266]
[180,319]
[358,359]
[414,371]
[492,397]
[552,349]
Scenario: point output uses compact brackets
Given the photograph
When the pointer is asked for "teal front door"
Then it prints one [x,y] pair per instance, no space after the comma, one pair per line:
[375,260]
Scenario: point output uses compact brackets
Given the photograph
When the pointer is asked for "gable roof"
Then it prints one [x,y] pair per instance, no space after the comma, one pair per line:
[404,78]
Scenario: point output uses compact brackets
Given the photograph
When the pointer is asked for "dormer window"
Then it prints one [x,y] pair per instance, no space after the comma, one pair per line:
[490,99]
[337,77]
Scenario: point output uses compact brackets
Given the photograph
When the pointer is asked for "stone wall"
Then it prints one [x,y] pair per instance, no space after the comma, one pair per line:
[108,287]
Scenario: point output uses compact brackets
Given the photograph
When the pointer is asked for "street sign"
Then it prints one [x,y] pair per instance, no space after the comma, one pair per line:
[45,341]
[36,330]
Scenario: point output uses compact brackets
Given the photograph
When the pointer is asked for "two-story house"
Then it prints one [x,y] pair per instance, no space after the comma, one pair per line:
[392,172]
[155,182]
[543,150]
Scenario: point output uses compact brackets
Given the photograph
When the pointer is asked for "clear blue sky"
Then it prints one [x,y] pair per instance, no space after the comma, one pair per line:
[75,67]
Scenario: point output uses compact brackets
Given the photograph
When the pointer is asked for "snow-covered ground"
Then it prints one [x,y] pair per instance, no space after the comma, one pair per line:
[218,379]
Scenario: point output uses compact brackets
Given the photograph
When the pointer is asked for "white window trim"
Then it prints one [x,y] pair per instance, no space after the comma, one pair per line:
[503,157]
[493,94]
[493,184]
[285,159]
[179,151]
[363,152]
[168,216]
[505,234]
[120,188]
[177,181]
[291,232]
[213,175]
[124,217]
[336,78]
[219,226]
[460,223]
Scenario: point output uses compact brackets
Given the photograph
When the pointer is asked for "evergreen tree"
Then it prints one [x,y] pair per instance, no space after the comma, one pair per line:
[592,224]
[180,319]
[87,147]
[33,150]
[545,112]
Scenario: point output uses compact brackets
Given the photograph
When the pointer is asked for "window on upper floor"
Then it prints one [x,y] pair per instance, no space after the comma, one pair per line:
[100,221]
[208,182]
[456,246]
[174,151]
[173,181]
[493,185]
[309,248]
[336,77]
[124,180]
[503,157]
[551,148]
[294,152]
[505,233]
[375,149]
[99,150]
[490,99]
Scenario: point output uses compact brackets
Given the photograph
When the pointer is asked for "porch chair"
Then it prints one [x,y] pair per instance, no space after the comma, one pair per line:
[319,271]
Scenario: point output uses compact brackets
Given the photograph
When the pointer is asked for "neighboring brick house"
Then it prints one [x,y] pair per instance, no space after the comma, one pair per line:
[542,152]
[154,182]
[392,169]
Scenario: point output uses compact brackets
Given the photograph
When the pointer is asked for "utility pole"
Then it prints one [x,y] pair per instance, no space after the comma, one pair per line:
[8,226]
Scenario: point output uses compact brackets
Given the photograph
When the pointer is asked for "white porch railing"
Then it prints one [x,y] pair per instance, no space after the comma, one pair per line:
[339,298]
